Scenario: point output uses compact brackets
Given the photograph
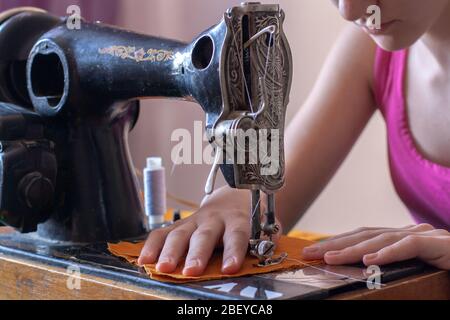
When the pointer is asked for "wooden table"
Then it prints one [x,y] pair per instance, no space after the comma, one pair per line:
[25,279]
[433,285]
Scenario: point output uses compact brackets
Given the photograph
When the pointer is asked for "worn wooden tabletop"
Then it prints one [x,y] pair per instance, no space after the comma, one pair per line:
[26,279]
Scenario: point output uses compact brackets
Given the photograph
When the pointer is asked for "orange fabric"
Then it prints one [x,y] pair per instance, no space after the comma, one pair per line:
[184,214]
[305,235]
[292,246]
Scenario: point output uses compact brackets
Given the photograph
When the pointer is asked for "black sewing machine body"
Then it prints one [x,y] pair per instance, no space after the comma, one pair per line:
[70,97]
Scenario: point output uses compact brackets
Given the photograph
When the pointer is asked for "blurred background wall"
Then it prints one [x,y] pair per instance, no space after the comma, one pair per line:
[361,194]
[102,10]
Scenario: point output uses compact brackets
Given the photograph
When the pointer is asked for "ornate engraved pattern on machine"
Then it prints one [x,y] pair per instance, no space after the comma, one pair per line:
[270,60]
[138,55]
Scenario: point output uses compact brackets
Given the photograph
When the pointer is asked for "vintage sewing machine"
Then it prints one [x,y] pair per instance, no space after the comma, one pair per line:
[69,97]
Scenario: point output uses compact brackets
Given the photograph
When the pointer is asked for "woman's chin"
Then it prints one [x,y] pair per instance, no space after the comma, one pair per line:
[396,39]
[392,43]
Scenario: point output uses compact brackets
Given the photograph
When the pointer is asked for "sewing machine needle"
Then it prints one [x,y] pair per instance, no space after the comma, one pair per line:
[256,214]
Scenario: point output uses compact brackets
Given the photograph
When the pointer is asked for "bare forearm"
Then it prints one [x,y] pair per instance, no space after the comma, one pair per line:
[313,156]
[327,126]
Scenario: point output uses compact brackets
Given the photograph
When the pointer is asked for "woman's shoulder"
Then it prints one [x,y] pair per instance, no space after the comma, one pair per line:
[361,51]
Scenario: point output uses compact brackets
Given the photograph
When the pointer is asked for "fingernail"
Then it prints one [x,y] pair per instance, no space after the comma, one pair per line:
[311,249]
[229,263]
[333,253]
[147,259]
[164,261]
[372,256]
[192,264]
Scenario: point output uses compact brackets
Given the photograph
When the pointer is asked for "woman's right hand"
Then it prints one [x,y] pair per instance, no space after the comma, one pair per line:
[222,220]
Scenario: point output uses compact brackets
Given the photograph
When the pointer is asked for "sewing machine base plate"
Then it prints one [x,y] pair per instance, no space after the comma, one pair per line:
[95,260]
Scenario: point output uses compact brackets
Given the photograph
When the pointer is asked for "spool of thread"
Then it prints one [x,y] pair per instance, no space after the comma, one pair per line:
[155,192]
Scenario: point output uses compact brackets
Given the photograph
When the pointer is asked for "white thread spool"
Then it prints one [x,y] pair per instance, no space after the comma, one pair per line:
[155,191]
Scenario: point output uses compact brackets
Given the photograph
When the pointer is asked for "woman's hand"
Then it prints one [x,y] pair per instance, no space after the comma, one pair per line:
[223,219]
[378,246]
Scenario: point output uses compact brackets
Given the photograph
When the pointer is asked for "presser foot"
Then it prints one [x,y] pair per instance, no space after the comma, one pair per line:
[272,261]
[264,250]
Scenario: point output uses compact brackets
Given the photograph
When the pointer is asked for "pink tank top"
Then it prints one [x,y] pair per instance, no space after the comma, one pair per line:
[423,186]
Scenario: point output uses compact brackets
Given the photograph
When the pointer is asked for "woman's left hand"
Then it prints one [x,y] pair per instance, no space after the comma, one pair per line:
[381,246]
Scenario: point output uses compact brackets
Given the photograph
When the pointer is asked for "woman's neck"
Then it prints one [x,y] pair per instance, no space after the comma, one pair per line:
[437,38]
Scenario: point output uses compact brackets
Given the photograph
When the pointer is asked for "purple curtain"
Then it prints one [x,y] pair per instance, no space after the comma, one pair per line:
[92,10]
